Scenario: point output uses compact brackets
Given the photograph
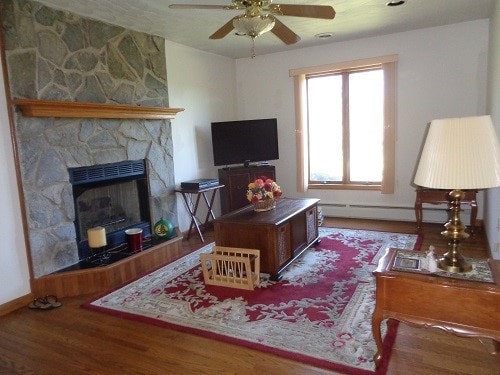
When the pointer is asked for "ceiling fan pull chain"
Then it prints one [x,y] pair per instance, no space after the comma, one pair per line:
[253,48]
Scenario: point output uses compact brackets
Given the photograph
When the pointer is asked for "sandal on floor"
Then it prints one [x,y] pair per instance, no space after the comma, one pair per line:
[40,304]
[53,301]
[45,303]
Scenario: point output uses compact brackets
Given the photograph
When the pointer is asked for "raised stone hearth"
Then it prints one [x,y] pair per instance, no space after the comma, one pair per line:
[105,278]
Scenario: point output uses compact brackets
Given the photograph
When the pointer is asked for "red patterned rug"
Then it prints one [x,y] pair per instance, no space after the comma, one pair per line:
[319,313]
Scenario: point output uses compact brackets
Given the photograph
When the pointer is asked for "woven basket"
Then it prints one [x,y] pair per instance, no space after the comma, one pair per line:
[264,205]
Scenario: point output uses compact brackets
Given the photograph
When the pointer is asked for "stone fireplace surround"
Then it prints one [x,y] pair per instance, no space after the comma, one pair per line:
[48,192]
[54,55]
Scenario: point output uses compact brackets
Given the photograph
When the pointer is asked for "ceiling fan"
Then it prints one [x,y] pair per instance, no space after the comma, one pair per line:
[260,17]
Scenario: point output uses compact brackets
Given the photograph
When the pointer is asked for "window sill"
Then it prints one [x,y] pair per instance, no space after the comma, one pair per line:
[328,186]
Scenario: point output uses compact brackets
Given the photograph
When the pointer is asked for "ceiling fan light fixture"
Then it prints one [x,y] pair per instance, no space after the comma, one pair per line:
[253,26]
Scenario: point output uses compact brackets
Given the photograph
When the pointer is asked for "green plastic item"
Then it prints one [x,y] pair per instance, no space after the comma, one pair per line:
[163,228]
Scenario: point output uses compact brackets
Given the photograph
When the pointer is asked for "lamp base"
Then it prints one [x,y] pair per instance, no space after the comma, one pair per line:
[454,265]
[453,261]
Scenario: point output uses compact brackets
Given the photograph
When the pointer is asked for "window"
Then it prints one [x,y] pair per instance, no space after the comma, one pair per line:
[345,125]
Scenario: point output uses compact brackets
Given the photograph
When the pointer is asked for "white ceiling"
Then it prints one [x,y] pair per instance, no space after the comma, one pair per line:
[354,19]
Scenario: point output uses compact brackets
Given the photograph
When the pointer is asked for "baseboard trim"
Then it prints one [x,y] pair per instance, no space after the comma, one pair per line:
[15,304]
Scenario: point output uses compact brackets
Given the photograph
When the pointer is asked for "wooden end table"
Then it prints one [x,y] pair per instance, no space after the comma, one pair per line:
[439,196]
[465,308]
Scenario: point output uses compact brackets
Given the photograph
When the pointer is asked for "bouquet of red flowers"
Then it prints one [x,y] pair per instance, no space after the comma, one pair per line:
[263,188]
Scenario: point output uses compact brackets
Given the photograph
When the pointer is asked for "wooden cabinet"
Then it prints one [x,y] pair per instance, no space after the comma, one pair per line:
[281,234]
[236,180]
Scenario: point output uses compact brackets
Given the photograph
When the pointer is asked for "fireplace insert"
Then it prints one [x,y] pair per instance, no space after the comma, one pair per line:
[114,196]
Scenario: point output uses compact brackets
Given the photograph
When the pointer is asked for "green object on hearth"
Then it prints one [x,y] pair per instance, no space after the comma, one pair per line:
[163,228]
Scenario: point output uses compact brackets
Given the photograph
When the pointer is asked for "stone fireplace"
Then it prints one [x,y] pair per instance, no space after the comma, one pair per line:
[50,149]
[57,56]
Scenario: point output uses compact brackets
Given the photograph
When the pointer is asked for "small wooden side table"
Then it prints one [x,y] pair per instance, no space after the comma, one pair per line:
[193,209]
[439,196]
[465,308]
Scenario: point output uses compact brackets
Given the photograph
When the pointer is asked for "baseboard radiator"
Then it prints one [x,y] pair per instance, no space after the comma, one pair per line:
[432,214]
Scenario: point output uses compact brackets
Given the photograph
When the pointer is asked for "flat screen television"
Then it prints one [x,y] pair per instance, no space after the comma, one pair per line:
[245,141]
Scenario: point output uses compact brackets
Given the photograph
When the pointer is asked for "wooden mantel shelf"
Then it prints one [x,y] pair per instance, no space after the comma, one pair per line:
[54,108]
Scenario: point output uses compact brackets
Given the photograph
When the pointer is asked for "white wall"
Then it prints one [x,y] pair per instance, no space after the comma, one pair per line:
[492,213]
[14,274]
[441,73]
[203,84]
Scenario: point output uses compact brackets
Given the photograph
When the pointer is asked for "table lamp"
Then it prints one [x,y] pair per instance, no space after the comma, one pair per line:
[459,153]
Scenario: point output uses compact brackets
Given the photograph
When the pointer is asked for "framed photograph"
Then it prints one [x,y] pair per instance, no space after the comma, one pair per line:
[406,263]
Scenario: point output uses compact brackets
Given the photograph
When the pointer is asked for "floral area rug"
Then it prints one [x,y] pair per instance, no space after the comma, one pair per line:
[319,313]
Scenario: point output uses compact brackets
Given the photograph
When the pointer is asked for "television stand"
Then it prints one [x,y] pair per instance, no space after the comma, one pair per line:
[234,194]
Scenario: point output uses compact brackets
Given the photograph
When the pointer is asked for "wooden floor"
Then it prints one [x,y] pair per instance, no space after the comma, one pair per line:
[73,340]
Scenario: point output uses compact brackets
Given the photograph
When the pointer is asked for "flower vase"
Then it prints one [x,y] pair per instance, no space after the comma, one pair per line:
[264,205]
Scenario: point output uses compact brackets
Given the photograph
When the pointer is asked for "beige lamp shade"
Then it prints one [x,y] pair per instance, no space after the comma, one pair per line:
[460,153]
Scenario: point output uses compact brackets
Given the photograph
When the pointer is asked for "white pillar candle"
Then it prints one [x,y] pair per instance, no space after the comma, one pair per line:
[96,237]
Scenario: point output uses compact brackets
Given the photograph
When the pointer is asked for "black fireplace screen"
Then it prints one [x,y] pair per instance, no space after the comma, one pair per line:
[112,207]
[114,196]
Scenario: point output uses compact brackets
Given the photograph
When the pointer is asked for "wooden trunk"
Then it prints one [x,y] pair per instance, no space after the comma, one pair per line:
[281,234]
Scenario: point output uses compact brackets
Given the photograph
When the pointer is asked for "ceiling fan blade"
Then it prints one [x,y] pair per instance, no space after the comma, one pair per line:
[284,33]
[223,31]
[200,6]
[311,11]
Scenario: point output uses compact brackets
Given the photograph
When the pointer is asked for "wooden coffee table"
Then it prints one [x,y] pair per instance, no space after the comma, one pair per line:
[281,234]
[465,308]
